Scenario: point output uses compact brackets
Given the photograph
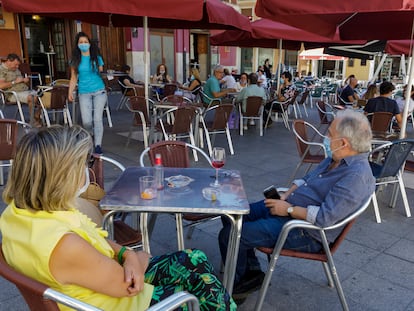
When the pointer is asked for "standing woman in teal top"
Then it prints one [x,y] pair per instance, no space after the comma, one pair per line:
[86,66]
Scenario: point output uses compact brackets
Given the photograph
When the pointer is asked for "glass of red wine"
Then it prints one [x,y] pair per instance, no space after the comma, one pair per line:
[218,158]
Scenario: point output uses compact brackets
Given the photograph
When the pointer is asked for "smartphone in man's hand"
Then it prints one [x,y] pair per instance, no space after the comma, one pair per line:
[271,193]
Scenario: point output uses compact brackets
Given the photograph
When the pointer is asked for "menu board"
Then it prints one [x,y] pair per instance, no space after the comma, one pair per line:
[386,69]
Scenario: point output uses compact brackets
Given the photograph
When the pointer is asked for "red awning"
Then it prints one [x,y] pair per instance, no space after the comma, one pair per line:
[266,33]
[352,19]
[173,14]
[399,47]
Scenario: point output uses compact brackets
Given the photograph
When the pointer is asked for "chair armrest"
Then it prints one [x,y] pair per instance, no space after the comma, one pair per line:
[176,300]
[68,301]
[12,93]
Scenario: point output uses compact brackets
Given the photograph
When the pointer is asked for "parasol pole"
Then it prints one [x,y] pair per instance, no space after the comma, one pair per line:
[146,58]
[408,90]
[381,63]
[279,68]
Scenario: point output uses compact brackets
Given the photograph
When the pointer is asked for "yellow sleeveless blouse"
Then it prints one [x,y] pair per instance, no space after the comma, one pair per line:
[30,237]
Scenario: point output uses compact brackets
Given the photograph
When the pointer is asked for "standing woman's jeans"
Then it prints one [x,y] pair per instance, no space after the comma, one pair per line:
[92,106]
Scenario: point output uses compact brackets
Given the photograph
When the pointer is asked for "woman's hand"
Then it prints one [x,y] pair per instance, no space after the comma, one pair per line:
[135,265]
[277,207]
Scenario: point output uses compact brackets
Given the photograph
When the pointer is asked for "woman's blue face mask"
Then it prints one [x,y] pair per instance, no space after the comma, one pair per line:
[84,47]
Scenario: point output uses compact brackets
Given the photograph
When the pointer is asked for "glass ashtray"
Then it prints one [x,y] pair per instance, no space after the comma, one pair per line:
[178,181]
[211,194]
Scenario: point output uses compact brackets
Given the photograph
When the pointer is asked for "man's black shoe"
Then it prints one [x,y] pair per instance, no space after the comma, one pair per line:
[251,282]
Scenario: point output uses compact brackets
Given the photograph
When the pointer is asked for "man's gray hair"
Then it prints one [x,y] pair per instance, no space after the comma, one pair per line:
[218,67]
[355,127]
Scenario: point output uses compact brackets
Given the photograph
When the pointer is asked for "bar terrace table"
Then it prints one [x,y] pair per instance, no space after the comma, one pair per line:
[231,202]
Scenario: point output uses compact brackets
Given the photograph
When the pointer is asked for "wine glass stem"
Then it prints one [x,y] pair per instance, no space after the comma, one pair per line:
[217,183]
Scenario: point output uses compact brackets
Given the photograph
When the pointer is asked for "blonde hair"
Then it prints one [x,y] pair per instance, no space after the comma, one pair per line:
[48,168]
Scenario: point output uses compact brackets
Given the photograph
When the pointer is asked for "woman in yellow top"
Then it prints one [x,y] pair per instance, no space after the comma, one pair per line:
[46,238]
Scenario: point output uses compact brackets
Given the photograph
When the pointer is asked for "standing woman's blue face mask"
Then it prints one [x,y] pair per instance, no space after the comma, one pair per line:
[84,47]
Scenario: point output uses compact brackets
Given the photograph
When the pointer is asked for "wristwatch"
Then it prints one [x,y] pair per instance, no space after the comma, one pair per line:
[290,210]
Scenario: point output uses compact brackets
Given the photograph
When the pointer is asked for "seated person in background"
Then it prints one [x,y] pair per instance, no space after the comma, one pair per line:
[162,75]
[11,79]
[371,92]
[286,92]
[402,102]
[261,78]
[252,90]
[328,194]
[384,102]
[309,79]
[63,248]
[212,87]
[127,80]
[228,80]
[193,88]
[348,94]
[242,83]
[346,82]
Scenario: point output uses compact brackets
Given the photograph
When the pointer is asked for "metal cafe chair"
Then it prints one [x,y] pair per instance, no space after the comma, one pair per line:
[380,121]
[326,113]
[304,144]
[39,296]
[325,256]
[10,98]
[217,125]
[254,111]
[183,118]
[140,107]
[387,164]
[302,102]
[123,233]
[128,92]
[8,143]
[54,100]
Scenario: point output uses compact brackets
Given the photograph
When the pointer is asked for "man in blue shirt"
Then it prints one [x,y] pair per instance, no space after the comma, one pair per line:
[212,86]
[252,90]
[328,194]
[348,95]
[384,103]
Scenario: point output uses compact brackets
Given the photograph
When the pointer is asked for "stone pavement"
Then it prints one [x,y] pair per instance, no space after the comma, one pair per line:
[375,263]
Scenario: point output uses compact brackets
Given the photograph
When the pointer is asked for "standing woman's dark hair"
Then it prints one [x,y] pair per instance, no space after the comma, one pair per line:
[76,52]
[86,67]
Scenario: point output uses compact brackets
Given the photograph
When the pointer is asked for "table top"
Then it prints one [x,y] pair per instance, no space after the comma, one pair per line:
[125,196]
[114,73]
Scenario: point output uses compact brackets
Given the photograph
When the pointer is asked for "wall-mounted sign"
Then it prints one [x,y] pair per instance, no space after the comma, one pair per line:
[6,19]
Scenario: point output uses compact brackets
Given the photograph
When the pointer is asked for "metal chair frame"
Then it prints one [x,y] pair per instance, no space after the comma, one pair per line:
[387,162]
[140,108]
[219,125]
[183,124]
[3,98]
[58,103]
[254,111]
[304,144]
[39,296]
[325,257]
[127,89]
